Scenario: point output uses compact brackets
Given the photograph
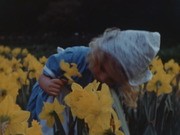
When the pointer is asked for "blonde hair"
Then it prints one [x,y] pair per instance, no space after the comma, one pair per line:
[107,36]
[101,56]
[129,96]
[95,45]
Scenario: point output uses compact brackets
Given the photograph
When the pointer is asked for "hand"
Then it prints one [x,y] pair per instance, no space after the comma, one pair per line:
[52,86]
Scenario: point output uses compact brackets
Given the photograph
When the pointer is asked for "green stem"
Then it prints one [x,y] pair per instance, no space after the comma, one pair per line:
[156,107]
[155,113]
[58,128]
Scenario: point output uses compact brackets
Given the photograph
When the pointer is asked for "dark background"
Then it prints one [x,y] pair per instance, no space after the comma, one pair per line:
[44,24]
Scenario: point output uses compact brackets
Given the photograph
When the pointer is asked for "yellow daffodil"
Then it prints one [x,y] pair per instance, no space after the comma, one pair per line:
[7,50]
[35,129]
[5,65]
[49,109]
[4,49]
[70,70]
[33,65]
[35,73]
[1,49]
[156,65]
[117,124]
[79,96]
[15,64]
[105,96]
[24,52]
[160,83]
[119,132]
[98,113]
[21,78]
[13,120]
[43,60]
[78,102]
[98,123]
[171,67]
[92,86]
[28,59]
[16,51]
[8,86]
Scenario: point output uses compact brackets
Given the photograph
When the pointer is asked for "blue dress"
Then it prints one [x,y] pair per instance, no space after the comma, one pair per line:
[52,69]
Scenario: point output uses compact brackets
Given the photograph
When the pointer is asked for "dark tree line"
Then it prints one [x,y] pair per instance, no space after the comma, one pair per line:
[68,16]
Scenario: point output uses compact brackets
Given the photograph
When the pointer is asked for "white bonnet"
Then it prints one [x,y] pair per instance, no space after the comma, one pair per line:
[134,50]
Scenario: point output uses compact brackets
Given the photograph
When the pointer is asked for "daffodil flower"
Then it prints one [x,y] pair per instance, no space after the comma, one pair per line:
[43,60]
[49,109]
[70,70]
[13,120]
[160,83]
[7,88]
[24,52]
[153,66]
[171,67]
[98,113]
[35,129]
[16,51]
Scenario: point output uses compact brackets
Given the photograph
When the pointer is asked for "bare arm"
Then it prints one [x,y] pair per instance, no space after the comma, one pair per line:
[51,86]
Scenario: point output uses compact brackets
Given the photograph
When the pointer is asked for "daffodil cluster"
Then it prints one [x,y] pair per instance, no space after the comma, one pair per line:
[94,106]
[17,70]
[48,112]
[164,76]
[13,120]
[158,104]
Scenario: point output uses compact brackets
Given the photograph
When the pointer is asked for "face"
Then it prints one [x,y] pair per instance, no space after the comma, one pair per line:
[106,69]
[101,74]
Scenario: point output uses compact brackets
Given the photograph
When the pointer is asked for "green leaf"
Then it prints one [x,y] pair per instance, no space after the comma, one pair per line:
[82,128]
[150,130]
[108,132]
[58,128]
[149,101]
[119,110]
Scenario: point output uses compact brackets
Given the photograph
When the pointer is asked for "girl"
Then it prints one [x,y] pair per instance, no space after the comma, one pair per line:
[118,58]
